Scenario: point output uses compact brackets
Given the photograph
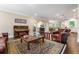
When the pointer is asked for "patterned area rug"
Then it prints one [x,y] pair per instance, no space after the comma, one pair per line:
[49,47]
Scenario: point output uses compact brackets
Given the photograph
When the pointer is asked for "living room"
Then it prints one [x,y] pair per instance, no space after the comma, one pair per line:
[26,20]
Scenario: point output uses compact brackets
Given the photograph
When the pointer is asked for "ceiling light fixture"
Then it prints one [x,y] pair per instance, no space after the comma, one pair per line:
[35,14]
[74,10]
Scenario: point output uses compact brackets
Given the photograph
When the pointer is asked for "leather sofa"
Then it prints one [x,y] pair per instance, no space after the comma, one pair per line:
[56,36]
[2,44]
[61,35]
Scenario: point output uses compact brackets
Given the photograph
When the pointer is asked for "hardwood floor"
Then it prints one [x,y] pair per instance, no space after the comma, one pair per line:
[12,48]
[78,47]
[72,45]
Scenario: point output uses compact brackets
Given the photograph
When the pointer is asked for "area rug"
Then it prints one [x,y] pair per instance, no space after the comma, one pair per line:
[48,47]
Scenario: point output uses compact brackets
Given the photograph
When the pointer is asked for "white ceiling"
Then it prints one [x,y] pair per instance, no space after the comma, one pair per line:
[48,11]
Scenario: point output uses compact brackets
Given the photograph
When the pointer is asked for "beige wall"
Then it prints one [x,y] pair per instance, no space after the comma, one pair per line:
[7,22]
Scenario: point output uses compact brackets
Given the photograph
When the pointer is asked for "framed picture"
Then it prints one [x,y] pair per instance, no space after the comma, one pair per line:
[72,24]
[24,21]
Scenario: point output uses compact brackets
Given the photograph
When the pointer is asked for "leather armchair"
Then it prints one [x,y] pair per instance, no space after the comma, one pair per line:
[61,35]
[57,36]
[2,44]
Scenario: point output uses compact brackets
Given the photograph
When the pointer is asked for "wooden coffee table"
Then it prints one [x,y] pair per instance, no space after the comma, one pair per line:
[32,39]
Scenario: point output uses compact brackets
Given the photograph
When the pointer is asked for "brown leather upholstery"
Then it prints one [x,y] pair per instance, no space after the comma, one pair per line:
[57,35]
[61,35]
[2,44]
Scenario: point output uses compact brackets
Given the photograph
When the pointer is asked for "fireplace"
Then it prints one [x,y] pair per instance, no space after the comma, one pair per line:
[18,30]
